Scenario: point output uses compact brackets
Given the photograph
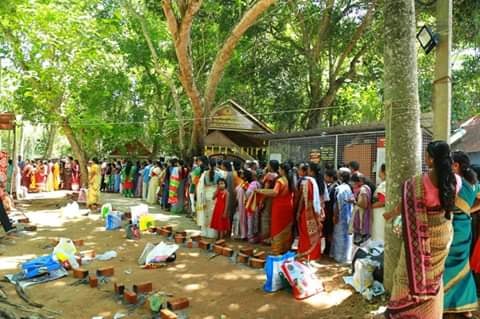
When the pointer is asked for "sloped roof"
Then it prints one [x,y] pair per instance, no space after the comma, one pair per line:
[230,116]
[470,142]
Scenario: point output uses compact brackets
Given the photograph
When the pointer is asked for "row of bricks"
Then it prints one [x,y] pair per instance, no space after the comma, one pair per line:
[146,287]
[81,273]
[76,242]
[246,255]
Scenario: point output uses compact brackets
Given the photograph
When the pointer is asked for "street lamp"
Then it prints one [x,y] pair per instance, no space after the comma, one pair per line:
[427,39]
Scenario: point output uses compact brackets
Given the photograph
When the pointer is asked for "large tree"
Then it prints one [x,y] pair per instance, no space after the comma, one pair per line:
[180,18]
[402,110]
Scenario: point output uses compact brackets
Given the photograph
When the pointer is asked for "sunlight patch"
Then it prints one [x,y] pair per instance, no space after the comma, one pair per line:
[13,261]
[327,300]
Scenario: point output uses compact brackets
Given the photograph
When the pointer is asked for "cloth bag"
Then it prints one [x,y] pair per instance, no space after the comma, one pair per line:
[273,269]
[302,279]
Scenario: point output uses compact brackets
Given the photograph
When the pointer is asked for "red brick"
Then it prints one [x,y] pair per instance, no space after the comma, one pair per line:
[30,228]
[118,288]
[163,232]
[80,273]
[143,287]
[221,242]
[23,220]
[179,239]
[247,251]
[189,244]
[257,263]
[260,255]
[178,304]
[130,297]
[167,314]
[183,233]
[168,227]
[227,251]
[79,260]
[242,258]
[217,249]
[93,281]
[152,229]
[105,271]
[203,244]
[127,215]
[78,242]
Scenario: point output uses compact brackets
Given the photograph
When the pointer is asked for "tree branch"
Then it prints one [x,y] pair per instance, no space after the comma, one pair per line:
[225,53]
[324,25]
[355,38]
[172,21]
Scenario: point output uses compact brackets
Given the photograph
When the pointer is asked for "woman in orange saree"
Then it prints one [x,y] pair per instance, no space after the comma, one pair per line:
[282,211]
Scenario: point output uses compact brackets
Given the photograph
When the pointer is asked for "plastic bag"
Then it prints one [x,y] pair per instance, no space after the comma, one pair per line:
[132,231]
[273,270]
[72,210]
[106,255]
[138,211]
[161,253]
[113,221]
[82,196]
[39,266]
[65,251]
[106,208]
[146,221]
[363,276]
[302,279]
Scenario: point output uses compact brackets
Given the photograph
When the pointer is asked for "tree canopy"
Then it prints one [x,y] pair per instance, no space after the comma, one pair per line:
[103,73]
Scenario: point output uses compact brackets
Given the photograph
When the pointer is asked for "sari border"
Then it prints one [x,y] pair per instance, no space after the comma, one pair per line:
[461,309]
[417,241]
[458,277]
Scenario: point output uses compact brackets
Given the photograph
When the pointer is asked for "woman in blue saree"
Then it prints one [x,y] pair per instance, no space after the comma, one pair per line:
[459,284]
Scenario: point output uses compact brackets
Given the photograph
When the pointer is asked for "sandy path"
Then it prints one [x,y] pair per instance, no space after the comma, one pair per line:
[215,287]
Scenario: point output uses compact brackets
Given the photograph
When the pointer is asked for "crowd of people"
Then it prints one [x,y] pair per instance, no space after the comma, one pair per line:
[48,176]
[317,210]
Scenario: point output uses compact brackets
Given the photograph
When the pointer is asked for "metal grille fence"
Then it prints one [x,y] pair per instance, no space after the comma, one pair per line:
[337,149]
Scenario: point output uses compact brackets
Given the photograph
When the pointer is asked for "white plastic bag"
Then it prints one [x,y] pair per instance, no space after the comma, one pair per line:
[65,251]
[72,210]
[160,253]
[363,276]
[138,211]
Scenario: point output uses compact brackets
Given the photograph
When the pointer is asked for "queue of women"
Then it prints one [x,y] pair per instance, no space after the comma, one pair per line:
[280,203]
[318,212]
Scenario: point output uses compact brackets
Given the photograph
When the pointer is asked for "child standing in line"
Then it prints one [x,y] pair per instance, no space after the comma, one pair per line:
[220,219]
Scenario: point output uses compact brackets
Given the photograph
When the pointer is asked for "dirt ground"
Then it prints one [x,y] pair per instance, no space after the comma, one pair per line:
[217,288]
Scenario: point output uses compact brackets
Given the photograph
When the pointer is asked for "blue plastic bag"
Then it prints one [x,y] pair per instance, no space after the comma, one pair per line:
[113,221]
[273,271]
[39,266]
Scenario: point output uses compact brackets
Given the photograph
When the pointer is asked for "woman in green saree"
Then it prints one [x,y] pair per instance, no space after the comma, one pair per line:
[459,284]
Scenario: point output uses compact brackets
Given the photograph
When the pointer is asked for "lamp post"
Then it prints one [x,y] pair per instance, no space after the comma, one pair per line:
[442,85]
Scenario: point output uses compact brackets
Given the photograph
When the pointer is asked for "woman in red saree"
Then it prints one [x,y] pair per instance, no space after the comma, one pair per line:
[310,214]
[75,175]
[40,176]
[282,211]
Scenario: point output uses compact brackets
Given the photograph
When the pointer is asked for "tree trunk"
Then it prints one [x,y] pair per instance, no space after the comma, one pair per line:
[52,132]
[78,152]
[180,30]
[402,111]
